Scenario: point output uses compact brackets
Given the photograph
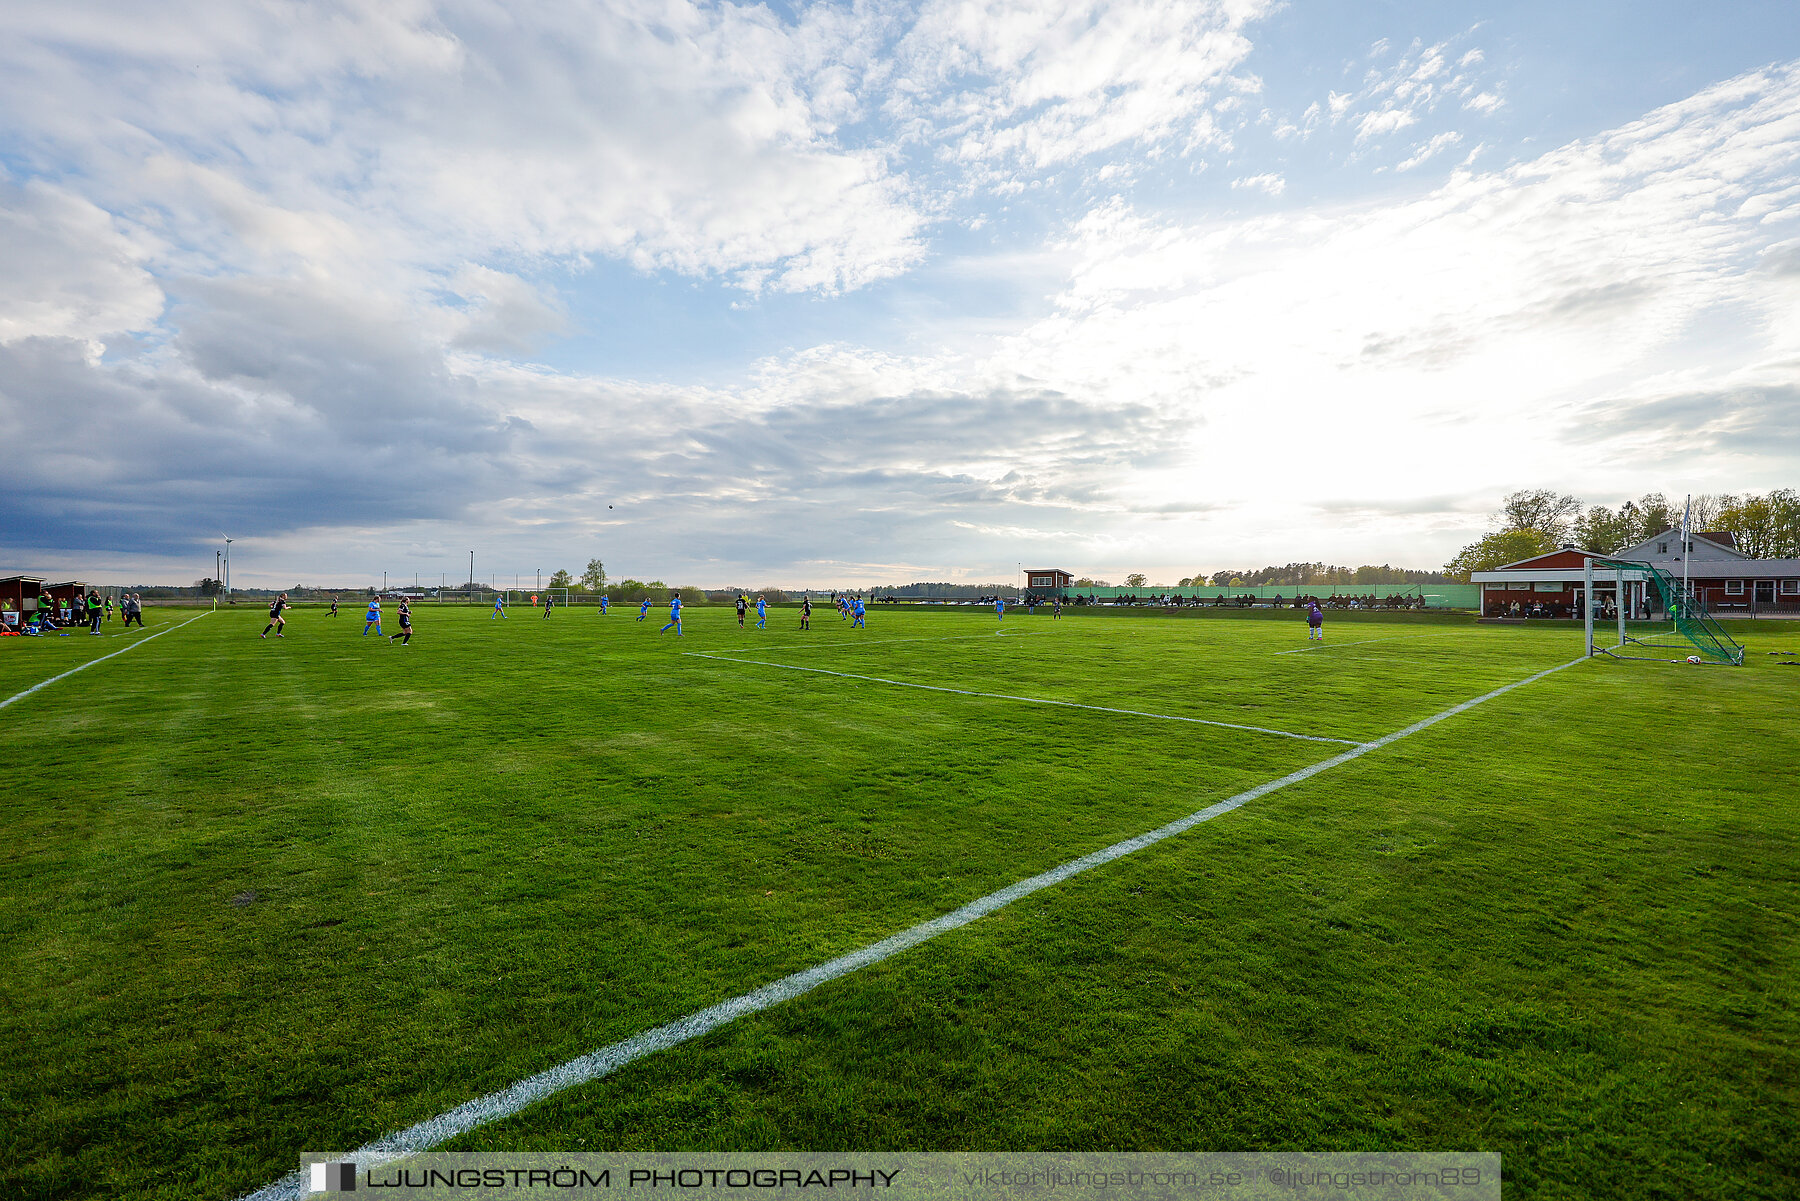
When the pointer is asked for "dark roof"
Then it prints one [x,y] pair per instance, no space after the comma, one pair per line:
[1723,538]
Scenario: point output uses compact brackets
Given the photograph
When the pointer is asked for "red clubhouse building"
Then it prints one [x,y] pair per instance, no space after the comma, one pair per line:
[1727,581]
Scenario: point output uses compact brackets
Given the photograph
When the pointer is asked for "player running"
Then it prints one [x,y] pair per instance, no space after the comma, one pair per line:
[1315,622]
[277,622]
[333,612]
[405,634]
[762,613]
[806,612]
[743,603]
[644,609]
[857,608]
[674,616]
[372,617]
[499,606]
[604,602]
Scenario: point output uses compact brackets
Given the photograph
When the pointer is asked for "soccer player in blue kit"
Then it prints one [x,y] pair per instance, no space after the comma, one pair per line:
[499,606]
[857,607]
[674,616]
[762,613]
[644,609]
[604,601]
[373,616]
[1000,608]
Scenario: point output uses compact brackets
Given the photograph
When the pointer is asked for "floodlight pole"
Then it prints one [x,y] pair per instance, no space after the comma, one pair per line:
[228,571]
[1587,602]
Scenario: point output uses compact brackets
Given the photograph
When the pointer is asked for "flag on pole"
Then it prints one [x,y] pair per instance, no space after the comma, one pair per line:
[1687,512]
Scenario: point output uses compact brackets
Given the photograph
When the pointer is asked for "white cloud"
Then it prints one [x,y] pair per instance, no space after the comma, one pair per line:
[1414,85]
[697,139]
[1461,323]
[1387,120]
[68,269]
[1436,145]
[1271,183]
[350,233]
[1002,82]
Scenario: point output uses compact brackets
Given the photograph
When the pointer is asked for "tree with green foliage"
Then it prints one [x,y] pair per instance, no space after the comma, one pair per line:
[1608,532]
[1531,522]
[561,579]
[1654,515]
[1765,527]
[594,578]
[1135,580]
[1497,550]
[1542,510]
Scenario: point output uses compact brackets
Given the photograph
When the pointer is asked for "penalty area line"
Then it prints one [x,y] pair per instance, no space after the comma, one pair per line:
[1030,700]
[607,1060]
[1301,650]
[830,643]
[103,658]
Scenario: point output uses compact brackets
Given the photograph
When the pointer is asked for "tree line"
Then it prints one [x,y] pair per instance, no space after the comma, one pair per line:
[1537,521]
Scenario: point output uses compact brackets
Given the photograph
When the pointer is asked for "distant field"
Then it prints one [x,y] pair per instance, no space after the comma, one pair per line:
[264,897]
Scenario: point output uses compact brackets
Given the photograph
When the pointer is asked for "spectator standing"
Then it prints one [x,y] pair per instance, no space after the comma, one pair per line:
[96,612]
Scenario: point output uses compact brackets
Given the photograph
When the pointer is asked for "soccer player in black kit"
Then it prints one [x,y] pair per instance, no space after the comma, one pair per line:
[405,634]
[277,622]
[806,612]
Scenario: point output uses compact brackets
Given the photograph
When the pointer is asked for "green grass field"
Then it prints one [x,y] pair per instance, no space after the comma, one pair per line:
[265,897]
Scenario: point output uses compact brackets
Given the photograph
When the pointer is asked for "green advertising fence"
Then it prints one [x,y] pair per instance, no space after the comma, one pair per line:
[1436,596]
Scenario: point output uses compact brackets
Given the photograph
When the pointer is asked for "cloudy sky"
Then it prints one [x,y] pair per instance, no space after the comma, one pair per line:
[857,292]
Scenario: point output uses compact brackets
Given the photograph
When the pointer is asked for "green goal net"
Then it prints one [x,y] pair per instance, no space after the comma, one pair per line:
[1679,621]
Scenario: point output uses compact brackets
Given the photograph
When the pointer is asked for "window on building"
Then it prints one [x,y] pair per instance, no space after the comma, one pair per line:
[1734,587]
[1662,548]
[1790,587]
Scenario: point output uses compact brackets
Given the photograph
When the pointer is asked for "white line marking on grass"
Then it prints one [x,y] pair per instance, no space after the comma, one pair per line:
[607,1060]
[1030,700]
[1331,646]
[103,658]
[823,643]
